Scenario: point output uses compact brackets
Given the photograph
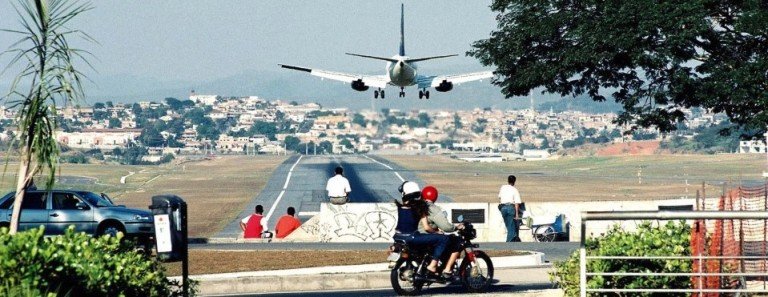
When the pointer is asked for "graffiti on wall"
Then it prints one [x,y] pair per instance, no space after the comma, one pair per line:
[364,222]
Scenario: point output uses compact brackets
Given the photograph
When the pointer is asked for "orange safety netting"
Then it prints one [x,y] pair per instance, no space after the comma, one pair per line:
[728,240]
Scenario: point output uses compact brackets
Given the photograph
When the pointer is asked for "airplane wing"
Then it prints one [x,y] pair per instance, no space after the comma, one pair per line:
[434,81]
[376,81]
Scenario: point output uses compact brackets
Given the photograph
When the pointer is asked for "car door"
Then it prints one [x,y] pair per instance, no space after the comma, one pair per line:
[69,209]
[34,210]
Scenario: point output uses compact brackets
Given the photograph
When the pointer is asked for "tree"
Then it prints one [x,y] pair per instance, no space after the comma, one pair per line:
[358,119]
[115,123]
[50,76]
[98,105]
[654,57]
[150,136]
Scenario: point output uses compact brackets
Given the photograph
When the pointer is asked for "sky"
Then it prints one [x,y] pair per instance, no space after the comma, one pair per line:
[219,46]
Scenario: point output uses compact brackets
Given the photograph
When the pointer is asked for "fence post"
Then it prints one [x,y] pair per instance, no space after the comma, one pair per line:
[583,259]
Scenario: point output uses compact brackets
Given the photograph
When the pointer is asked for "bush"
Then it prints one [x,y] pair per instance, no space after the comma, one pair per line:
[672,239]
[77,264]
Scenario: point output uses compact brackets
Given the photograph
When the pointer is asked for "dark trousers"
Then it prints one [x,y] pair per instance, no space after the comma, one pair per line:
[513,226]
[438,242]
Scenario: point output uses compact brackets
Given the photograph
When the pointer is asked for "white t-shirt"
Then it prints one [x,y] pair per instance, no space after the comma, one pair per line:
[338,186]
[509,194]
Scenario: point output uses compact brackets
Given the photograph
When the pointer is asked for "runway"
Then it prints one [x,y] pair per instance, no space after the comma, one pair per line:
[300,182]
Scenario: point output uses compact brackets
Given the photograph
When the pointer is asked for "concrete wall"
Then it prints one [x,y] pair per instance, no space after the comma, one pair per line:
[375,222]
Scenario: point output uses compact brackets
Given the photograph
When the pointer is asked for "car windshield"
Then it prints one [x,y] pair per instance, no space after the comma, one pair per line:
[95,199]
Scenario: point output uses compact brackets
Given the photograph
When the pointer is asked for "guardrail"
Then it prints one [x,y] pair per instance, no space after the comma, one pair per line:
[663,215]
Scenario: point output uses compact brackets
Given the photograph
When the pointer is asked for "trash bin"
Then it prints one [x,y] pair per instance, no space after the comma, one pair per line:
[170,216]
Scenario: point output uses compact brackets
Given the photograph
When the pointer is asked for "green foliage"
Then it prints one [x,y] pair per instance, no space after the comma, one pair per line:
[672,239]
[79,265]
[264,128]
[655,58]
[359,119]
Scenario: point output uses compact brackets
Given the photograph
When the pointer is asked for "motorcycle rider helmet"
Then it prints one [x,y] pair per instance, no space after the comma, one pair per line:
[410,191]
[429,193]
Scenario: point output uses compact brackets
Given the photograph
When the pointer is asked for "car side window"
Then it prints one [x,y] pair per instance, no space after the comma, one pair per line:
[65,201]
[34,200]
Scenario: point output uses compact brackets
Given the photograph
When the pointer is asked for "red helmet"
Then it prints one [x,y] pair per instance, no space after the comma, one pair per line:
[429,193]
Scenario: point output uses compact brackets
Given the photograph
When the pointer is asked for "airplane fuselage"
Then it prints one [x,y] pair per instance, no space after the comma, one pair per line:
[401,73]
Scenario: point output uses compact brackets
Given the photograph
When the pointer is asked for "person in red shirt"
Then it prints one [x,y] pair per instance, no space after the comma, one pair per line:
[251,225]
[287,223]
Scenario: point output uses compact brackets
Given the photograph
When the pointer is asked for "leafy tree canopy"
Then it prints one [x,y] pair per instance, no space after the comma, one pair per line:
[653,57]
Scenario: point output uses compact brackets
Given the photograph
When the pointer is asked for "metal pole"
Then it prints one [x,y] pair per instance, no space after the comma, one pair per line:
[583,259]
[185,260]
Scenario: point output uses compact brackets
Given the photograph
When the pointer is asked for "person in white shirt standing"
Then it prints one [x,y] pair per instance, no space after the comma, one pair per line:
[338,187]
[509,205]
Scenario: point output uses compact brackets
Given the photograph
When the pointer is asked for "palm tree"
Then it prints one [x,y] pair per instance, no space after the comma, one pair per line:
[47,77]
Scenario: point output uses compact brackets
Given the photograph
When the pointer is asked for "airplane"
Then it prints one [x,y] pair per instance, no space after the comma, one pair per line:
[401,72]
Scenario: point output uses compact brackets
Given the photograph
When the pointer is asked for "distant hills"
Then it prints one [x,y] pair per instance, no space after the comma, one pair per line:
[291,86]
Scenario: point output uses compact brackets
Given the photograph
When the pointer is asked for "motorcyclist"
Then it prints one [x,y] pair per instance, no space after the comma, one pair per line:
[437,223]
[411,212]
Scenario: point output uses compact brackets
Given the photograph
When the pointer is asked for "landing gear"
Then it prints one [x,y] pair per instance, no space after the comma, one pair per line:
[424,94]
[377,92]
[402,92]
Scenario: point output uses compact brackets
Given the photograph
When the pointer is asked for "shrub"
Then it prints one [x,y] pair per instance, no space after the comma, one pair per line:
[77,264]
[672,239]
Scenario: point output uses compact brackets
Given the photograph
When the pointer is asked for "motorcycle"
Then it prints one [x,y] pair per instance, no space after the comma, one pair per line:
[409,263]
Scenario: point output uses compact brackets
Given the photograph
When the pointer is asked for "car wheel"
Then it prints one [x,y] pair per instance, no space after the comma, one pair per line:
[110,229]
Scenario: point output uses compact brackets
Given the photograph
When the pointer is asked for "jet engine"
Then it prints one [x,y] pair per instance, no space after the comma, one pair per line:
[444,86]
[359,85]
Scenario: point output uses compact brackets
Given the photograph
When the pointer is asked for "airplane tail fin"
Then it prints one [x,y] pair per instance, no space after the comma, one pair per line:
[402,30]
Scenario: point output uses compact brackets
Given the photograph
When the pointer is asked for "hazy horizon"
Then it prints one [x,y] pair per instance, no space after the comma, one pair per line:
[153,50]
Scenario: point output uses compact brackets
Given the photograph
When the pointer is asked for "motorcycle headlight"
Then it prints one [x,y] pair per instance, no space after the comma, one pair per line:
[142,218]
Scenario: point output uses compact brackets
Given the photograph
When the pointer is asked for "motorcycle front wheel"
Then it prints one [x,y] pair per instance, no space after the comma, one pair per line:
[476,276]
[403,278]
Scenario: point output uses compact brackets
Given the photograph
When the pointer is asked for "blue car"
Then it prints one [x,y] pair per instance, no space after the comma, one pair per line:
[88,212]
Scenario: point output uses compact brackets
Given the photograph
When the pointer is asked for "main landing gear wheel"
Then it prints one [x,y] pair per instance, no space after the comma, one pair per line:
[382,94]
[421,94]
[375,94]
[402,94]
[426,94]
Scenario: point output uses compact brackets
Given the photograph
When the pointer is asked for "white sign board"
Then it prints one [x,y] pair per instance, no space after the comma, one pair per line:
[163,233]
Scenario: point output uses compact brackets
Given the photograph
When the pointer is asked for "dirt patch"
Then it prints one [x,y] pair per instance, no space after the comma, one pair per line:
[630,148]
[210,261]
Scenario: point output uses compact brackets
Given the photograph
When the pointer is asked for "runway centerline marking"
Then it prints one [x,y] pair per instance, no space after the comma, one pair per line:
[385,165]
[285,186]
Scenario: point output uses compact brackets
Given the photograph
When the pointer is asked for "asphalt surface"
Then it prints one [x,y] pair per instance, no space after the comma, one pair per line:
[300,182]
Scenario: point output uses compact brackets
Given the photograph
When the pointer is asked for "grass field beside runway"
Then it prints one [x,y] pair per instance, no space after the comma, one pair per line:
[588,178]
[215,190]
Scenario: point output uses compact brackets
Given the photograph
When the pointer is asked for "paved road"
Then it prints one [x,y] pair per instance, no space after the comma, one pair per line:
[300,182]
[508,282]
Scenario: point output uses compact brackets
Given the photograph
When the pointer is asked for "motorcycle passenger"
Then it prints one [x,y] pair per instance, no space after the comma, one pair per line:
[437,222]
[409,213]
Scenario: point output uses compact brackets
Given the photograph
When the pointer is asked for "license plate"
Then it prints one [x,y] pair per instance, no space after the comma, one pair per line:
[393,257]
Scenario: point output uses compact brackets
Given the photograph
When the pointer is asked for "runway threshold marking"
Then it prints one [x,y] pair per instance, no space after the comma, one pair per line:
[385,165]
[285,186]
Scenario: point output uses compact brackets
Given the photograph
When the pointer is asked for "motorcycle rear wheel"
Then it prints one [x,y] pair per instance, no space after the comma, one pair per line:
[403,278]
[476,278]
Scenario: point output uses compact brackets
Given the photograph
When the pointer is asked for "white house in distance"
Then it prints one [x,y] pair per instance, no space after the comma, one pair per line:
[104,139]
[752,147]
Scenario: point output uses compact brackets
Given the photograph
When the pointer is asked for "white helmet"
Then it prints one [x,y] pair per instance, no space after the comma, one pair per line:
[409,187]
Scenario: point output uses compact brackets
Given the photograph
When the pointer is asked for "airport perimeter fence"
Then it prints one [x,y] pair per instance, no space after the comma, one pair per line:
[729,247]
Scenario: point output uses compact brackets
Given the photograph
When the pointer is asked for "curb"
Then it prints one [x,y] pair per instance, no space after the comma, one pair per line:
[366,276]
